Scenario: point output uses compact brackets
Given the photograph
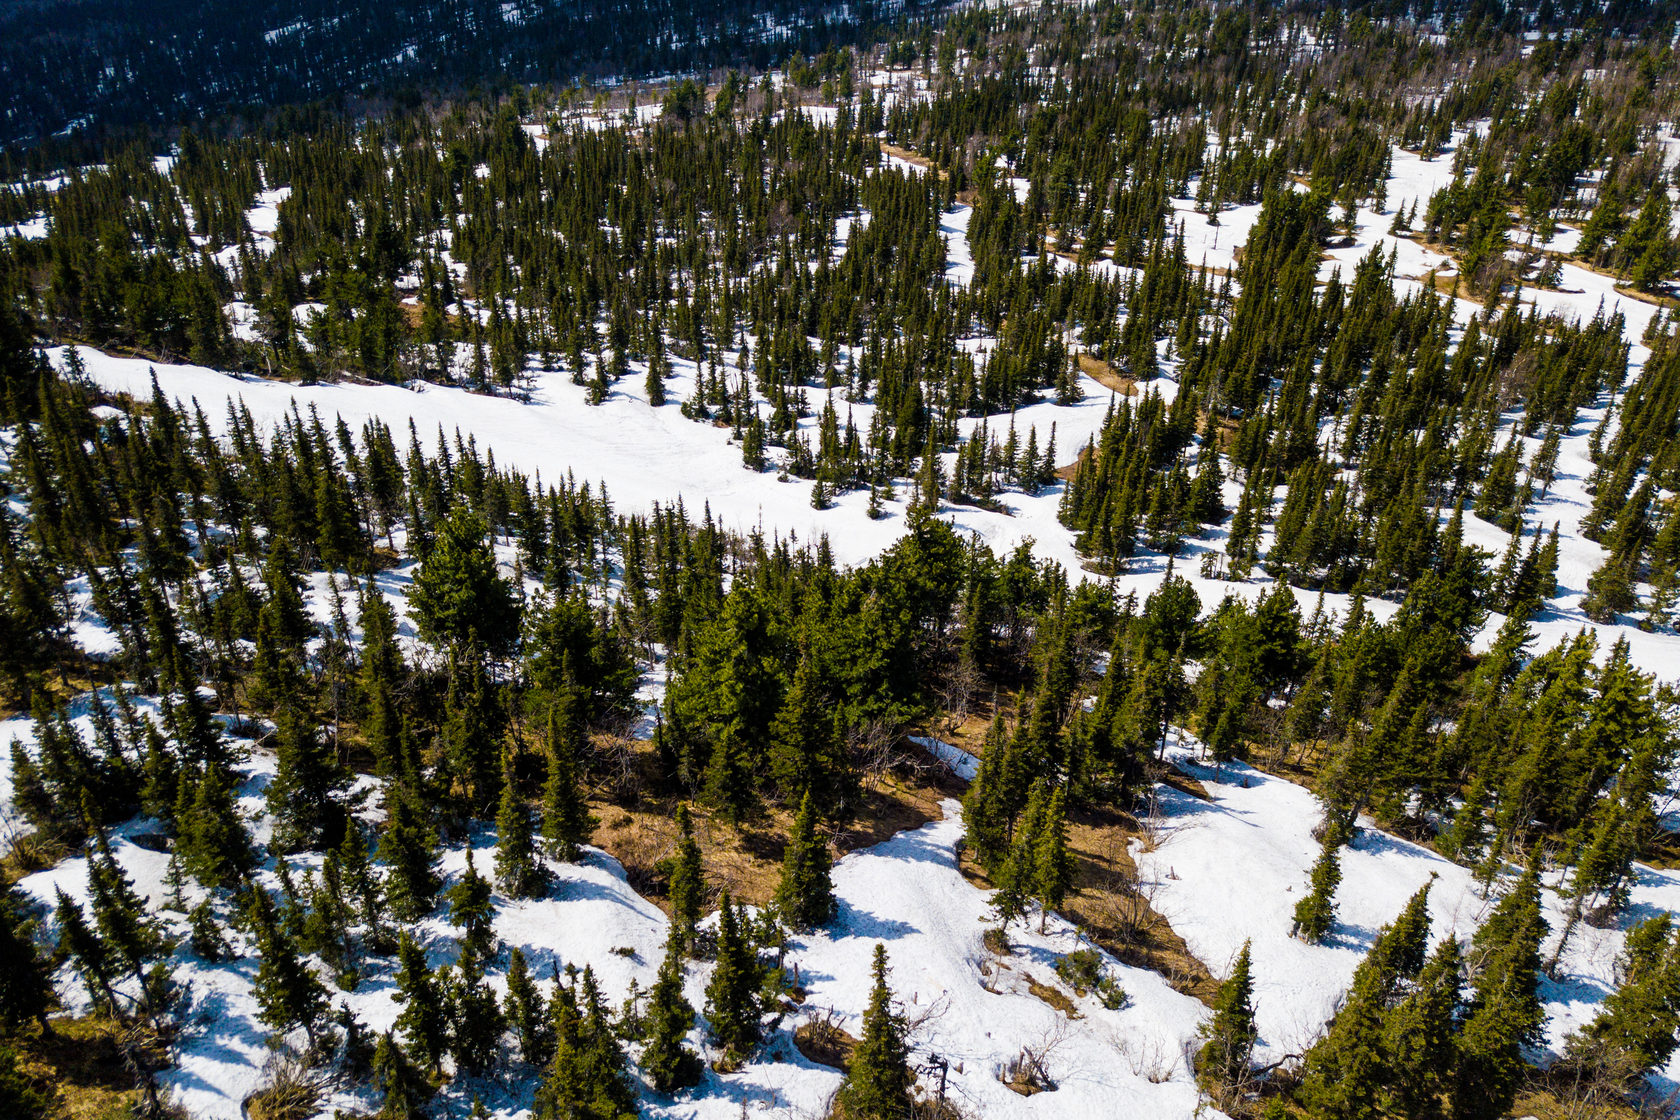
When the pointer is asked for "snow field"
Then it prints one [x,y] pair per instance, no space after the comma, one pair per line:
[1231,869]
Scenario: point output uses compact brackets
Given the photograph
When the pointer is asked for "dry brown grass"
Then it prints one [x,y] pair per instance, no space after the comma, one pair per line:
[1055,997]
[823,1041]
[1106,375]
[1544,1104]
[640,832]
[81,1064]
[1109,904]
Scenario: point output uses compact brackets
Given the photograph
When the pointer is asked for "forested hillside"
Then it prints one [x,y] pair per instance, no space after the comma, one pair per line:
[1067,561]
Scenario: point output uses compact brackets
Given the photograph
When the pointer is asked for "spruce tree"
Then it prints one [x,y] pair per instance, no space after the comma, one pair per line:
[586,1080]
[1418,1038]
[206,934]
[526,1014]
[403,1088]
[406,850]
[26,989]
[305,799]
[210,837]
[287,991]
[667,1060]
[86,950]
[1315,914]
[806,894]
[1017,883]
[686,882]
[879,1082]
[1052,866]
[516,862]
[566,821]
[1503,1013]
[131,937]
[1636,1029]
[732,1009]
[470,907]
[422,1019]
[1222,1063]
[475,1018]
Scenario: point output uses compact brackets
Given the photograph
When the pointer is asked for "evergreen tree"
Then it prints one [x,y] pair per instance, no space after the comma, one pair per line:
[516,862]
[470,907]
[422,1020]
[686,881]
[1418,1038]
[805,894]
[1637,1027]
[1052,866]
[26,989]
[78,941]
[586,1080]
[1222,1063]
[566,821]
[667,1060]
[525,1012]
[1315,914]
[403,1088]
[287,991]
[879,1082]
[1018,882]
[459,599]
[406,850]
[305,799]
[210,837]
[1504,1013]
[475,1018]
[732,1009]
[130,936]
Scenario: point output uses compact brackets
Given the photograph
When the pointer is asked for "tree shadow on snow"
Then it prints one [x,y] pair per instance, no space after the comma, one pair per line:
[853,922]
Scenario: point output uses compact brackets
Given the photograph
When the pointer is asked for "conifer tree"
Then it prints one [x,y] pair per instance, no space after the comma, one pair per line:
[805,894]
[1637,1027]
[985,810]
[1052,866]
[1503,1013]
[26,989]
[287,991]
[210,837]
[732,1009]
[807,747]
[475,1018]
[1222,1063]
[131,937]
[526,1014]
[422,1019]
[1018,882]
[566,821]
[78,941]
[470,908]
[686,882]
[1315,914]
[1418,1038]
[667,1060]
[516,862]
[305,799]
[879,1081]
[206,934]
[586,1080]
[406,850]
[403,1088]
[459,599]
